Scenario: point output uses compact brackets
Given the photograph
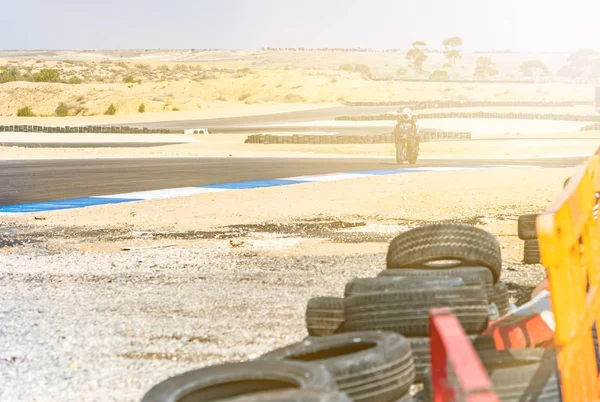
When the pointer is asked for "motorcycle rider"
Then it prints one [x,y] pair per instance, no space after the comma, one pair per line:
[407,118]
[406,137]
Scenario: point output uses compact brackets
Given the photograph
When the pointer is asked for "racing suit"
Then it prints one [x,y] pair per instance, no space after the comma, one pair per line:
[401,127]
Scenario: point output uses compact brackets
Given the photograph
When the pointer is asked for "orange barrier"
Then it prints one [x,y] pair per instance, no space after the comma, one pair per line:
[569,238]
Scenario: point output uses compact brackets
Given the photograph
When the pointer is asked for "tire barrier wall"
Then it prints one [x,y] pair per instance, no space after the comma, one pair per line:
[84,129]
[590,127]
[432,104]
[349,139]
[478,115]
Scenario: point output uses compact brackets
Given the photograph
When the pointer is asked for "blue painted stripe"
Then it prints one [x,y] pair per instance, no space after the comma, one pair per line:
[241,185]
[62,204]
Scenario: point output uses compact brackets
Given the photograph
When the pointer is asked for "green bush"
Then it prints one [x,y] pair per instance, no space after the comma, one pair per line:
[9,74]
[129,79]
[62,110]
[294,98]
[363,69]
[111,110]
[402,71]
[47,75]
[439,75]
[75,80]
[25,112]
[245,96]
[142,108]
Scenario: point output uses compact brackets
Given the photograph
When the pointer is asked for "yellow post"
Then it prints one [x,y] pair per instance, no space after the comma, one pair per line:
[569,238]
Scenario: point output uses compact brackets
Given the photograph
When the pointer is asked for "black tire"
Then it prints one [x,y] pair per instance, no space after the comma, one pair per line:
[406,398]
[413,154]
[423,246]
[531,252]
[399,156]
[293,396]
[526,228]
[500,298]
[324,315]
[391,283]
[471,276]
[237,379]
[407,311]
[523,374]
[368,366]
[421,353]
[516,375]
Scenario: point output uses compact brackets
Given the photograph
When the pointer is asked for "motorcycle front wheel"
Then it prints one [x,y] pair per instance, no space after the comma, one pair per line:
[413,155]
[400,154]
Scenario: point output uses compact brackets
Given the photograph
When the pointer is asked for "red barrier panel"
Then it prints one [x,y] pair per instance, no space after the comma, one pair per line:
[457,374]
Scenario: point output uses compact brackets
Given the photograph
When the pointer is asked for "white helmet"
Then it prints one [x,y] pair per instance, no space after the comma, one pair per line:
[406,114]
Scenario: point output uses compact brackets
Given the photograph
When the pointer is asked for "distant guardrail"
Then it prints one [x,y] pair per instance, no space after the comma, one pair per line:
[83,129]
[478,115]
[349,139]
[439,104]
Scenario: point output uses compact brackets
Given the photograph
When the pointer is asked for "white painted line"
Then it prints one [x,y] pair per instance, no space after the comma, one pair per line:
[166,193]
[328,177]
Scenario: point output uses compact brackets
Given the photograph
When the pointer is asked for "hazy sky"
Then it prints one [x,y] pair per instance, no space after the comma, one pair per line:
[518,25]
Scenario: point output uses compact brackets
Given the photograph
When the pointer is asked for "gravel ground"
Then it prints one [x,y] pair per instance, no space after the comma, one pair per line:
[107,326]
[227,276]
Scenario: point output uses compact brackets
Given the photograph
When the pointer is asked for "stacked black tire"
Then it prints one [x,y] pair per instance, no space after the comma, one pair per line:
[526,228]
[441,265]
[373,344]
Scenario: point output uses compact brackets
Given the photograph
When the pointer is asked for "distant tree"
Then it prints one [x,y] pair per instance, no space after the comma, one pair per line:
[417,55]
[47,75]
[532,68]
[142,108]
[62,110]
[452,49]
[485,68]
[585,63]
[129,79]
[439,75]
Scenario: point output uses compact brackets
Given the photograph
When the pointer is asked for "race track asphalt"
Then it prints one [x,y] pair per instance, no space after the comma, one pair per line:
[25,181]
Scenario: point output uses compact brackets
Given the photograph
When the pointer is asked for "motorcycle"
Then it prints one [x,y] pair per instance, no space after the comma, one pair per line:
[407,144]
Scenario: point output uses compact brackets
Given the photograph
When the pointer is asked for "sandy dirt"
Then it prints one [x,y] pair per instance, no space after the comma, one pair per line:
[198,82]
